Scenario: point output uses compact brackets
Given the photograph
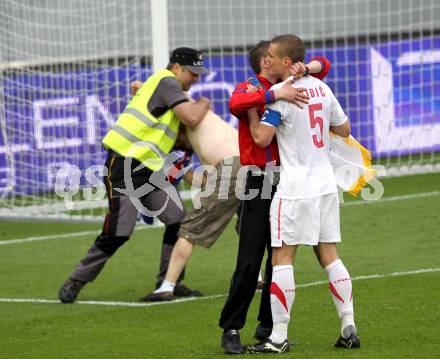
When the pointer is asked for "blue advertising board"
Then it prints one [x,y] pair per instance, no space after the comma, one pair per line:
[390,92]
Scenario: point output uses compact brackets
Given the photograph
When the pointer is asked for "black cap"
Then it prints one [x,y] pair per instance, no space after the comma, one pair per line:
[190,58]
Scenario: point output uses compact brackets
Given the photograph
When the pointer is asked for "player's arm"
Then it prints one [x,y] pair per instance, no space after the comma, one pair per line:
[343,130]
[262,132]
[246,96]
[318,67]
[295,95]
[339,122]
[242,99]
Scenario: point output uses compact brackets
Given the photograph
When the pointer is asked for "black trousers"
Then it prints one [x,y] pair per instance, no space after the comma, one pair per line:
[254,240]
[121,219]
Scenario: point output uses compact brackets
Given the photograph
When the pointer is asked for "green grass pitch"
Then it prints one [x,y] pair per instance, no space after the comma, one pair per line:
[398,316]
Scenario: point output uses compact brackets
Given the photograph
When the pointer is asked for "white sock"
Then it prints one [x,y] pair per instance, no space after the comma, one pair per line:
[282,295]
[341,289]
[347,319]
[165,287]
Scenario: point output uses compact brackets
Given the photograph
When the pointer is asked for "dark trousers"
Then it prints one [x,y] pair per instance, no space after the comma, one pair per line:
[121,219]
[254,239]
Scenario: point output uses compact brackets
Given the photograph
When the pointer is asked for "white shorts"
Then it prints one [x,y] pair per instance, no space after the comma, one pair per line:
[305,221]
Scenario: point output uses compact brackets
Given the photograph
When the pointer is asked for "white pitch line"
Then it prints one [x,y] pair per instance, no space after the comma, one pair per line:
[374,276]
[107,303]
[136,304]
[58,236]
[79,234]
[393,198]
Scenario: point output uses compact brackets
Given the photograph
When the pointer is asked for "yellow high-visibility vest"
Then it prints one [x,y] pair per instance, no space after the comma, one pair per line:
[140,135]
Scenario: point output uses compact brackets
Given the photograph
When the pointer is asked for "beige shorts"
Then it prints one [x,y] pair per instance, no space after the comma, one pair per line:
[204,226]
[305,221]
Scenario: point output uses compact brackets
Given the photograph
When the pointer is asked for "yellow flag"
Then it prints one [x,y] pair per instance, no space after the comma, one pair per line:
[351,163]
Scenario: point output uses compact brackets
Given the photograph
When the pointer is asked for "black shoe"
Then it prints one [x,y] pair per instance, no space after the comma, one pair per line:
[231,342]
[350,340]
[158,297]
[181,290]
[70,290]
[268,346]
[262,333]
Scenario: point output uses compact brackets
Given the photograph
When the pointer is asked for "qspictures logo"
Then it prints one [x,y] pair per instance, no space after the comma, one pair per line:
[222,181]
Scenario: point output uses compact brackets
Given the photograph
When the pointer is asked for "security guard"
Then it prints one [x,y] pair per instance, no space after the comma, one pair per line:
[137,146]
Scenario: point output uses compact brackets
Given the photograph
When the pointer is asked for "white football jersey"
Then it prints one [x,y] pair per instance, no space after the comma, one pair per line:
[303,141]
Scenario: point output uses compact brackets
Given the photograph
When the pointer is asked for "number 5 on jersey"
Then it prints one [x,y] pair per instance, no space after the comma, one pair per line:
[316,120]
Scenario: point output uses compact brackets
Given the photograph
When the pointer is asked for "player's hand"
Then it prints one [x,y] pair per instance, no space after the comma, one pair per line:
[251,88]
[134,87]
[292,94]
[298,70]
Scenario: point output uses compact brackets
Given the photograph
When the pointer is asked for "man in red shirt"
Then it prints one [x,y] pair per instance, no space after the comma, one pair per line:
[254,227]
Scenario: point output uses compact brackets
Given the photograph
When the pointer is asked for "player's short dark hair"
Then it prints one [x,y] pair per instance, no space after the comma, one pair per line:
[290,46]
[256,54]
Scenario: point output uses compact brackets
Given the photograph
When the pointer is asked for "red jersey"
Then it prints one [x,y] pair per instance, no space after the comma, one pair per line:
[241,101]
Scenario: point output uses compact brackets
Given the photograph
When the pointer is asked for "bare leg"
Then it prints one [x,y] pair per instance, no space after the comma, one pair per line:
[179,257]
[283,255]
[326,253]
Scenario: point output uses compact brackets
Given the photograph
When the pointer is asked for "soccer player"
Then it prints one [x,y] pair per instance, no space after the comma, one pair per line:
[305,207]
[254,223]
